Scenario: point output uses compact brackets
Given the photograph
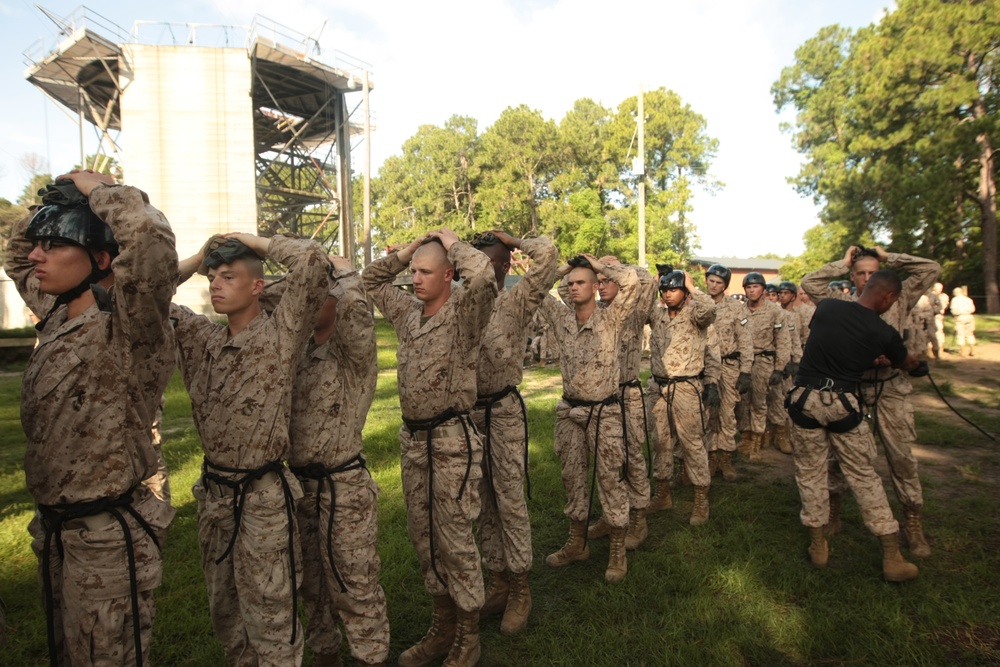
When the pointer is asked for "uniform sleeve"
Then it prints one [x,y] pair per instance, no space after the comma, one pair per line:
[647,292]
[307,285]
[530,291]
[22,271]
[628,291]
[744,341]
[145,269]
[563,289]
[377,278]
[794,335]
[271,296]
[354,334]
[191,332]
[479,289]
[551,309]
[782,341]
[923,274]
[817,283]
[702,309]
[713,358]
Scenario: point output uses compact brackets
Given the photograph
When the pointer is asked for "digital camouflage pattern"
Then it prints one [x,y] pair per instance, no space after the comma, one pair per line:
[88,397]
[769,334]
[732,334]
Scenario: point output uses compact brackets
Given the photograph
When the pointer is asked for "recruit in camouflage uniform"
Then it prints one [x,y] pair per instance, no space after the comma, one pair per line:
[633,400]
[589,416]
[962,308]
[771,356]
[826,414]
[504,525]
[777,417]
[240,383]
[677,351]
[88,397]
[337,514]
[920,328]
[942,308]
[441,450]
[886,391]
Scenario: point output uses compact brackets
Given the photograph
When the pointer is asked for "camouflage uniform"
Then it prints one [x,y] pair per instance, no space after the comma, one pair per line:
[88,397]
[736,351]
[337,515]
[920,327]
[241,396]
[776,414]
[589,415]
[772,349]
[437,382]
[504,525]
[962,308]
[939,319]
[677,357]
[891,388]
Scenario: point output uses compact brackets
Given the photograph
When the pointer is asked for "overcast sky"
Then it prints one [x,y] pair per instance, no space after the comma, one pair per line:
[437,58]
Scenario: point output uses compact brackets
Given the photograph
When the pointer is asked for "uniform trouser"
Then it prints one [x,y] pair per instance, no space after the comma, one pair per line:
[763,366]
[776,413]
[361,607]
[721,427]
[504,525]
[92,602]
[456,557]
[679,402]
[250,591]
[897,431]
[574,445]
[159,482]
[856,452]
[965,330]
[637,479]
[939,330]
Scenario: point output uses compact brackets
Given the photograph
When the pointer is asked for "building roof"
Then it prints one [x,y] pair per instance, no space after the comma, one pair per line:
[733,263]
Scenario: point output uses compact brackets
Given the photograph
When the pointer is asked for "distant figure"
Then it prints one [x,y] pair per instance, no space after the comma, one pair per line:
[962,308]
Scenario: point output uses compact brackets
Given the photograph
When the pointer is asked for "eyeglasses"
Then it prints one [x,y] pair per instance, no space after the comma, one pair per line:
[47,245]
[602,283]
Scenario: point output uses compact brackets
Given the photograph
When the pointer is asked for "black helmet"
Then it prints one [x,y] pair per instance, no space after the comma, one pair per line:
[720,271]
[771,287]
[754,278]
[664,269]
[787,285]
[672,280]
[65,215]
[227,252]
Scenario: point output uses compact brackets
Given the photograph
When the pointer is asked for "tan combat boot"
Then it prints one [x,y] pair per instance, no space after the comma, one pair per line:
[638,529]
[755,442]
[617,560]
[744,445]
[913,529]
[726,465]
[328,660]
[683,479]
[819,550]
[699,513]
[598,529]
[713,463]
[575,549]
[439,638]
[515,618]
[465,649]
[496,594]
[833,522]
[894,566]
[661,499]
[781,439]
[767,438]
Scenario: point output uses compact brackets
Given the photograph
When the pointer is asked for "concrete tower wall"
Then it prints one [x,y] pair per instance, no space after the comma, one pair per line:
[188,117]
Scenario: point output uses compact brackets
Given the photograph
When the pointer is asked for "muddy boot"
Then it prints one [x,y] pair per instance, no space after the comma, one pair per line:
[638,530]
[328,660]
[661,500]
[683,479]
[767,439]
[699,513]
[598,529]
[713,463]
[575,548]
[439,638]
[819,550]
[465,649]
[781,439]
[833,521]
[726,466]
[515,618]
[496,595]
[755,442]
[617,561]
[913,529]
[894,566]
[744,445]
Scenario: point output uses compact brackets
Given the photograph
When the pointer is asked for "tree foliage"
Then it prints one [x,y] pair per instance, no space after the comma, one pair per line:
[898,123]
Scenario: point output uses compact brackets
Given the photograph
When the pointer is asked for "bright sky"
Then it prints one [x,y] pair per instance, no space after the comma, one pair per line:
[437,58]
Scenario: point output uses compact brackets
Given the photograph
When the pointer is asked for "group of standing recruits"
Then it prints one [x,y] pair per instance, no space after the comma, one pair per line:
[286,506]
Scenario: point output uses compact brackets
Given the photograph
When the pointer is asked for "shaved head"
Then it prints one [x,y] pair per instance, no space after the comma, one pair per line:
[433,253]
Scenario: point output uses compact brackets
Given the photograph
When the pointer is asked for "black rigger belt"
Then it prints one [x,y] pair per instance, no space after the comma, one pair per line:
[240,486]
[826,386]
[625,386]
[486,403]
[428,426]
[613,399]
[54,518]
[324,476]
[670,384]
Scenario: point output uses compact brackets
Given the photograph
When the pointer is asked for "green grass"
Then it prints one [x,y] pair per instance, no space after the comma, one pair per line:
[738,591]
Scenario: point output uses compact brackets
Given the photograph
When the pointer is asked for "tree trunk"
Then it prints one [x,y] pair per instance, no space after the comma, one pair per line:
[988,207]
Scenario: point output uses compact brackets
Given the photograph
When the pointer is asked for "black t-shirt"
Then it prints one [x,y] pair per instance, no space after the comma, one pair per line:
[844,340]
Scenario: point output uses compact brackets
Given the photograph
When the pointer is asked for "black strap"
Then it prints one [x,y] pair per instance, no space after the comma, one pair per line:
[670,384]
[240,487]
[53,519]
[487,402]
[428,425]
[847,423]
[323,474]
[731,356]
[766,353]
[613,399]
[636,383]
